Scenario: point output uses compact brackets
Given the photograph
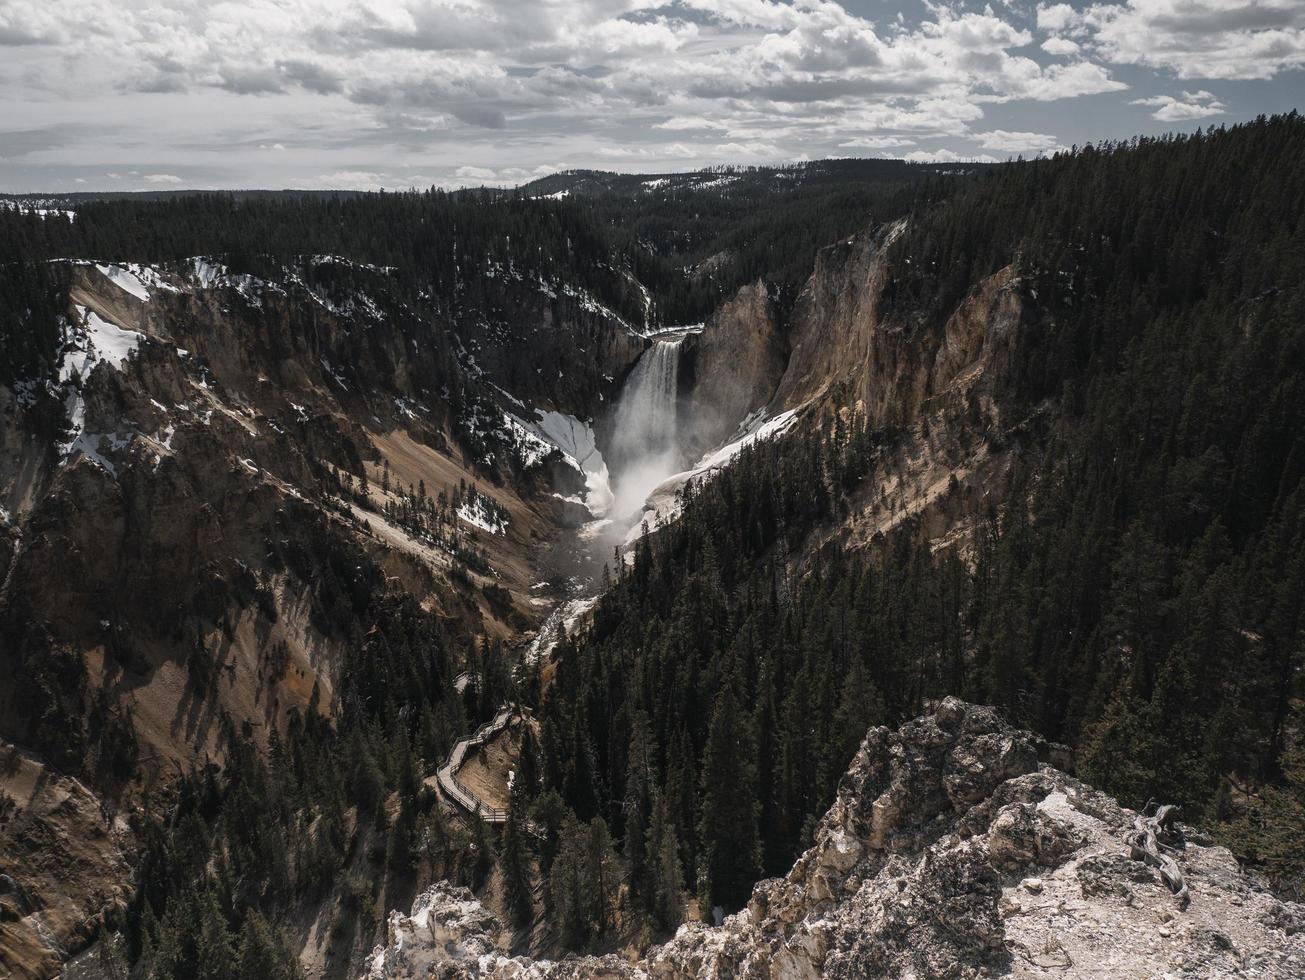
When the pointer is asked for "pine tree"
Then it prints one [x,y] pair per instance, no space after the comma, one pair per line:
[603,875]
[667,902]
[516,870]
[640,858]
[482,850]
[730,862]
[261,954]
[214,950]
[1115,748]
[568,887]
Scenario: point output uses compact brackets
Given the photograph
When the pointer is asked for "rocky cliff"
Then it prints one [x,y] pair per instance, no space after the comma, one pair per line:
[848,337]
[936,389]
[733,366]
[955,848]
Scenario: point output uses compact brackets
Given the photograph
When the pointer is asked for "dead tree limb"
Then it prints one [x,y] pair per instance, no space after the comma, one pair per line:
[1149,841]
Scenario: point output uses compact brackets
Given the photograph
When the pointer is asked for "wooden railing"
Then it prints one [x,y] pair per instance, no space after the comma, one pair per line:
[447,774]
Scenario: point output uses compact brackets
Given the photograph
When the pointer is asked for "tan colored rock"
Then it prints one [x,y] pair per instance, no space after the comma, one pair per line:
[732,367]
[63,865]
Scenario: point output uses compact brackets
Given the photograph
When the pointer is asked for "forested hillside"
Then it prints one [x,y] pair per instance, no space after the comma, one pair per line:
[690,239]
[1042,446]
[1140,596]
[695,238]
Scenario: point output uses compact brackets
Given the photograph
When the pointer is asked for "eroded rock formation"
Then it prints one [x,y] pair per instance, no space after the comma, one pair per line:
[954,849]
[733,366]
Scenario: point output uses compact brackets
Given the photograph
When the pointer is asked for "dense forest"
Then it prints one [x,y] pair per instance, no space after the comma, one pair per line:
[1140,597]
[689,246]
[333,805]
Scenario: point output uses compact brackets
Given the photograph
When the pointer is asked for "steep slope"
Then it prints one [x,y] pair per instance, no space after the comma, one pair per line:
[951,850]
[205,506]
[732,367]
[941,393]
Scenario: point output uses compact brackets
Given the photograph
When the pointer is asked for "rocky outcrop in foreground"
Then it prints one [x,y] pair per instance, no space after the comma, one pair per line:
[952,850]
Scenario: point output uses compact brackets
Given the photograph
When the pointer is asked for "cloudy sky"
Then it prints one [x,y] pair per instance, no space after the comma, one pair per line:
[98,95]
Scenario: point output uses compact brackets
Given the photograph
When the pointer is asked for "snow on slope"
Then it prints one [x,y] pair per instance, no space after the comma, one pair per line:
[125,280]
[89,343]
[134,279]
[95,340]
[576,442]
[663,504]
[474,512]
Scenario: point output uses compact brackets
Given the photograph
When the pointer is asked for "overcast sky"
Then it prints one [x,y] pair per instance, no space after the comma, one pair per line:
[96,95]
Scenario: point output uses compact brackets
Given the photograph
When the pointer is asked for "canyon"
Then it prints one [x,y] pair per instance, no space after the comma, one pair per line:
[201,436]
[742,546]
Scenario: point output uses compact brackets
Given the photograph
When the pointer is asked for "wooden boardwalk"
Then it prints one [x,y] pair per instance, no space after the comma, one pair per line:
[446,777]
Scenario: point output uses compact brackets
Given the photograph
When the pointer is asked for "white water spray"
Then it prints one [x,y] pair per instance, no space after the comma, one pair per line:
[645,448]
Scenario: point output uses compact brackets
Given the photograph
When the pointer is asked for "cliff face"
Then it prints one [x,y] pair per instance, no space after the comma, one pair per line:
[847,342]
[733,366]
[952,850]
[936,388]
[835,326]
[65,868]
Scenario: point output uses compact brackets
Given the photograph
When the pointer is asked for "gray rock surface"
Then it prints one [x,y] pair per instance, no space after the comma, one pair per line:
[950,851]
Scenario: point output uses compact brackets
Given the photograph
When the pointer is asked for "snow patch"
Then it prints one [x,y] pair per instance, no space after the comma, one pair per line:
[37,207]
[532,448]
[94,340]
[125,280]
[576,441]
[475,512]
[87,343]
[335,375]
[207,272]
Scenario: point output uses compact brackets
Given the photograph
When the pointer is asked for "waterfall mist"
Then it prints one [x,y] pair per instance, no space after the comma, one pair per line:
[645,447]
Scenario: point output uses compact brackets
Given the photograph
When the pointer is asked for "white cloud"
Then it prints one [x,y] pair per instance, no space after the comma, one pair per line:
[475,173]
[346,180]
[946,156]
[1060,46]
[1005,141]
[1192,105]
[687,122]
[1225,39]
[877,143]
[1056,16]
[161,179]
[265,92]
[748,13]
[664,151]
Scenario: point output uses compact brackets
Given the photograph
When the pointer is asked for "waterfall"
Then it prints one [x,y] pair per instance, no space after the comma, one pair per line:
[645,415]
[645,447]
